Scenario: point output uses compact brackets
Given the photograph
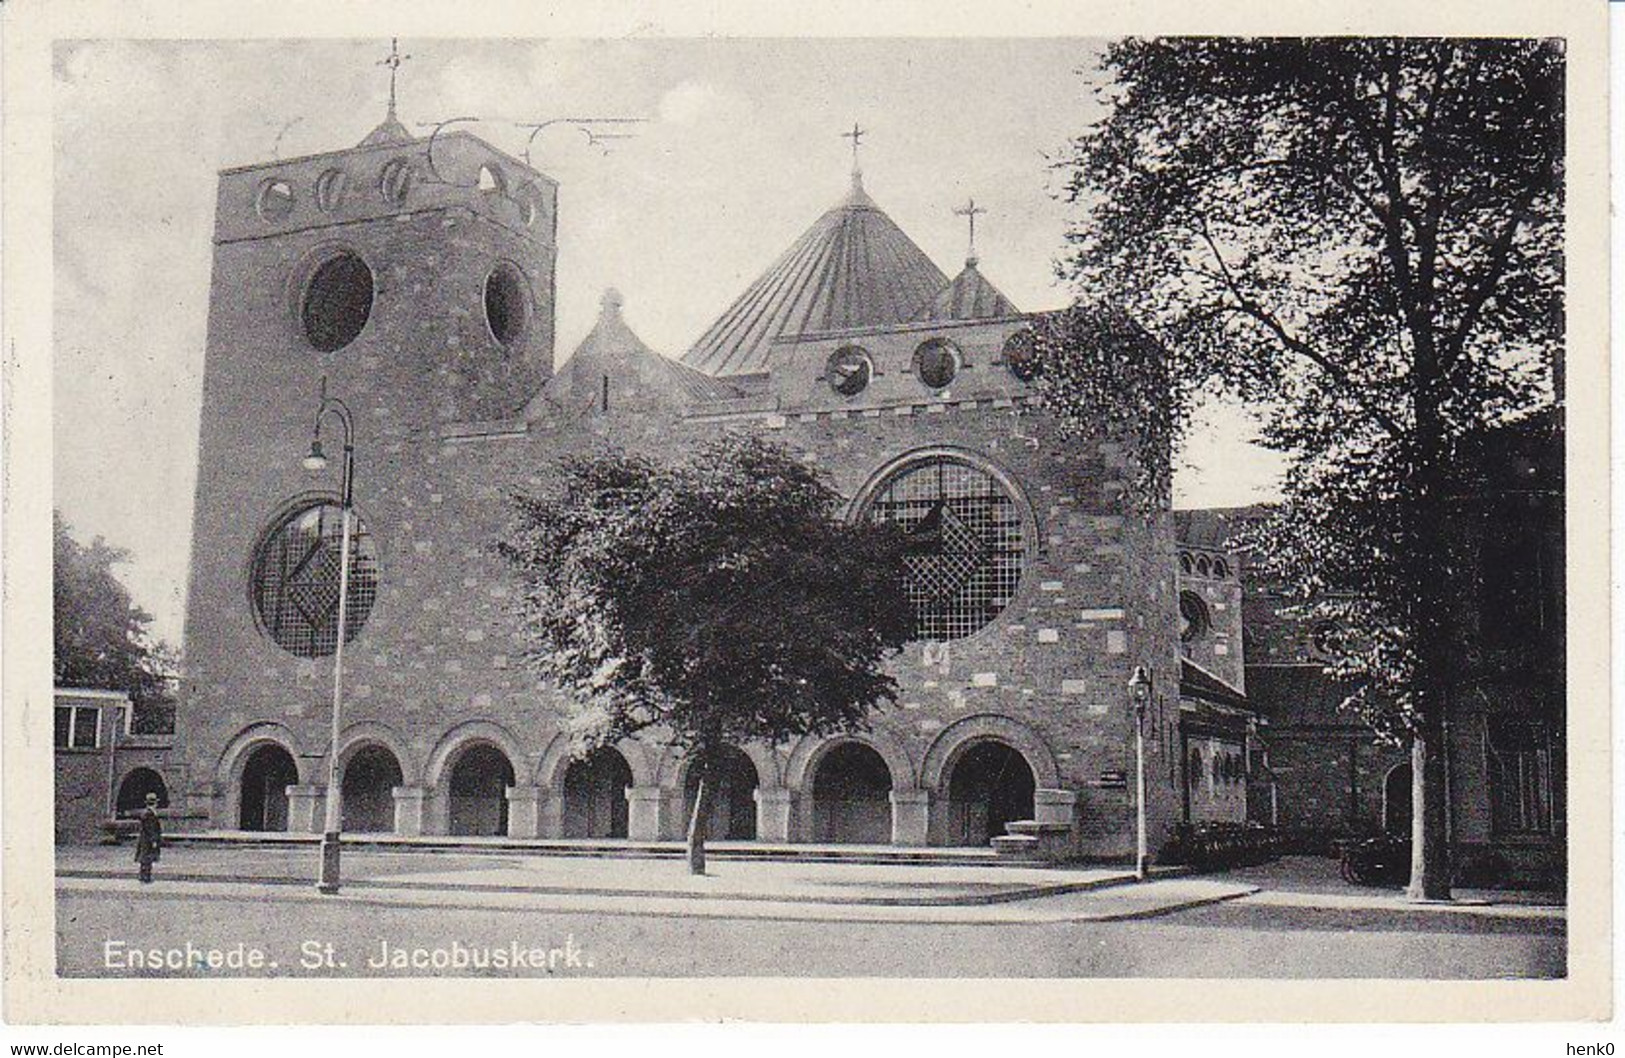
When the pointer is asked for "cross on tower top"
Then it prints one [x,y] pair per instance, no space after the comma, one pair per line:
[970,211]
[856,136]
[393,60]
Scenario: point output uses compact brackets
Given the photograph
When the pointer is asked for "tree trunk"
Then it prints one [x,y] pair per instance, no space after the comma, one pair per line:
[700,821]
[1430,842]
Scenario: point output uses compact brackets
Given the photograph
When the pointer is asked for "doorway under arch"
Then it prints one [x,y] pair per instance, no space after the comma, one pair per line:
[852,797]
[133,791]
[991,784]
[1396,802]
[263,804]
[367,794]
[479,792]
[733,807]
[595,795]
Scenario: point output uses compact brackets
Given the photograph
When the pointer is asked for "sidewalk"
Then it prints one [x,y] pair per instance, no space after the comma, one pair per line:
[739,889]
[791,891]
[883,884]
[1312,882]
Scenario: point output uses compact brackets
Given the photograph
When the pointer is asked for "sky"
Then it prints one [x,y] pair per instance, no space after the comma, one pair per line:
[741,152]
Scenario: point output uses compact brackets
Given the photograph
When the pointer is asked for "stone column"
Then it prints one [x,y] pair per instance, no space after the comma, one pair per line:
[550,814]
[773,814]
[525,811]
[306,805]
[643,812]
[910,817]
[409,810]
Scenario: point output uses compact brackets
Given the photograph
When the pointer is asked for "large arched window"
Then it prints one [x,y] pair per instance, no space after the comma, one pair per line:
[966,546]
[295,586]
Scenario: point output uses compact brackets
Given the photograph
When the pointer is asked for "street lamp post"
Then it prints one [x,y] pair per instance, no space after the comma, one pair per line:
[1139,693]
[316,462]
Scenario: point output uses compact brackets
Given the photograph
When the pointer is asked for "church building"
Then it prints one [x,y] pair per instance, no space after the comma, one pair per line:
[417,277]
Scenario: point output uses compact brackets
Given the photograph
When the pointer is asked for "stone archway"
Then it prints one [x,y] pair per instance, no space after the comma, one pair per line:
[481,775]
[594,791]
[989,784]
[733,806]
[367,790]
[262,801]
[134,788]
[851,788]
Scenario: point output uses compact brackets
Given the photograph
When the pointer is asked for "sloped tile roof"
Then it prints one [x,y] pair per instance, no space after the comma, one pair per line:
[637,373]
[969,297]
[853,268]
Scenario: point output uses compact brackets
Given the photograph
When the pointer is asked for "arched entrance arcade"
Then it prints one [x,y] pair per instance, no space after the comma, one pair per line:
[595,804]
[367,791]
[262,802]
[733,805]
[851,796]
[481,776]
[989,784]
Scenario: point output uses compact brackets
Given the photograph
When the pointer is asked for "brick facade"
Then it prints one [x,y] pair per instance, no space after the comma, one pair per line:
[449,421]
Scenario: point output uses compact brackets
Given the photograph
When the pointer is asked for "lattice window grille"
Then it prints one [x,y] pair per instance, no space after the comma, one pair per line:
[296,581]
[966,547]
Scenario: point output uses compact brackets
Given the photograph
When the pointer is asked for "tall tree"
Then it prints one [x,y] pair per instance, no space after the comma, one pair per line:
[1363,236]
[720,600]
[101,636]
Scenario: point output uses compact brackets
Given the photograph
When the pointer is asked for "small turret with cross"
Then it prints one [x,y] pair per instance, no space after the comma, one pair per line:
[970,211]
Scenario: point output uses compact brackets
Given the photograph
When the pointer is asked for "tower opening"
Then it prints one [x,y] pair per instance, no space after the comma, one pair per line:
[595,795]
[851,797]
[338,301]
[263,804]
[479,792]
[505,304]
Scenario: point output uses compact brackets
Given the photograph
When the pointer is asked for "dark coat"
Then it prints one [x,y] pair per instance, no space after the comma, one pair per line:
[149,841]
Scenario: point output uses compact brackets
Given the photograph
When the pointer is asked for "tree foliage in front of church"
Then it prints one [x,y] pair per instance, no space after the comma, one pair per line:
[720,600]
[101,638]
[1363,238]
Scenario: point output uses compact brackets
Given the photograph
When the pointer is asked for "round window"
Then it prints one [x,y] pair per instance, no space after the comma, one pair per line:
[1193,616]
[337,302]
[396,181]
[275,200]
[849,370]
[506,306]
[330,189]
[1021,354]
[295,585]
[965,543]
[937,361]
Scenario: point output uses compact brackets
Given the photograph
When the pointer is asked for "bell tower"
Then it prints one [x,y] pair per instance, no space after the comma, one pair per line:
[416,275]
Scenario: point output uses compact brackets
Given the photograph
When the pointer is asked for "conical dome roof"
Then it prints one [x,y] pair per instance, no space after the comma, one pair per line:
[390,130]
[612,357]
[969,297]
[853,268]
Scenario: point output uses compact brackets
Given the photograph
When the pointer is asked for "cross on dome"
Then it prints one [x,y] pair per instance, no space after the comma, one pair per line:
[970,211]
[393,60]
[856,136]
